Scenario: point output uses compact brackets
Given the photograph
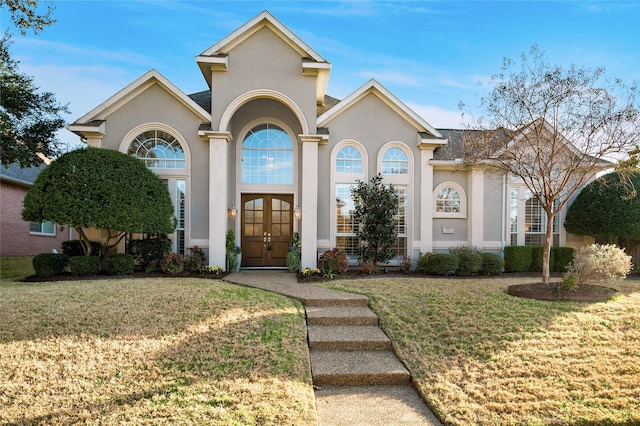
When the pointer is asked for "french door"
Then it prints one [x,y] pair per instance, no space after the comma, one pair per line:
[266,229]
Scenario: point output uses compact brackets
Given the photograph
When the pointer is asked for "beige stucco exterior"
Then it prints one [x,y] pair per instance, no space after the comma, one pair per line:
[264,74]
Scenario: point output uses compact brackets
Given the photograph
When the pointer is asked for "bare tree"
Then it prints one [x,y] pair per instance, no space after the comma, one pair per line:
[553,128]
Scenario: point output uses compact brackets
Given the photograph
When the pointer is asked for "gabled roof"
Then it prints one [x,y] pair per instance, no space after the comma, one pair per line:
[373,87]
[216,58]
[96,116]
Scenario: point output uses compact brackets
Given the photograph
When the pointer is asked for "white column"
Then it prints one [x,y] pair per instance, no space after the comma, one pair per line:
[475,212]
[95,142]
[426,200]
[309,196]
[218,193]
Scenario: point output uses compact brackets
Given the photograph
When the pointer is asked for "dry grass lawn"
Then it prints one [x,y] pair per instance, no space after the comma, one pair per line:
[151,351]
[480,356]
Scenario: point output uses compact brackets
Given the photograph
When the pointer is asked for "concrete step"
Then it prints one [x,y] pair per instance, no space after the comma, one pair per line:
[347,300]
[341,315]
[347,338]
[357,368]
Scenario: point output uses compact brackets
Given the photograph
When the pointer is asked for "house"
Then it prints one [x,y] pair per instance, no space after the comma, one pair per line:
[17,237]
[266,152]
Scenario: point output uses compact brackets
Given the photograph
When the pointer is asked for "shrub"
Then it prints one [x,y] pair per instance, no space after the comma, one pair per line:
[562,257]
[74,248]
[84,265]
[369,268]
[600,263]
[334,261]
[172,264]
[469,261]
[492,264]
[441,264]
[194,262]
[517,258]
[49,264]
[405,265]
[293,259]
[421,264]
[149,251]
[570,281]
[537,258]
[120,263]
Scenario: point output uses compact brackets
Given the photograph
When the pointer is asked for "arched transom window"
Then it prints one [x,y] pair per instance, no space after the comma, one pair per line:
[158,149]
[395,162]
[349,160]
[267,156]
[450,200]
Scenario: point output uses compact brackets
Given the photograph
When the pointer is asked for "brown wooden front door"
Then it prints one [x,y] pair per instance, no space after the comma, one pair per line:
[267,226]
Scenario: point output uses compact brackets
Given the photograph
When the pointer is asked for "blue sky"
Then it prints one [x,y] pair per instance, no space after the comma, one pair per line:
[431,54]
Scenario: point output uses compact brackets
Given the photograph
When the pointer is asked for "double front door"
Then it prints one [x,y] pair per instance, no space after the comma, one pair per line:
[266,229]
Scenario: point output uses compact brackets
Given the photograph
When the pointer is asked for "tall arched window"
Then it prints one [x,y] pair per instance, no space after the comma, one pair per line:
[267,156]
[158,149]
[349,160]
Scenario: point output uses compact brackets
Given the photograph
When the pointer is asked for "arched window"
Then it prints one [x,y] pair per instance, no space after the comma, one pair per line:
[349,160]
[158,149]
[450,200]
[267,156]
[395,162]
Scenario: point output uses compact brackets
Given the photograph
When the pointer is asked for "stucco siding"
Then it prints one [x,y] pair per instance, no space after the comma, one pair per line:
[263,61]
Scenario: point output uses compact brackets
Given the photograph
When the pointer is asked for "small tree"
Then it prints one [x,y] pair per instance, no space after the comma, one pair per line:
[609,210]
[553,128]
[103,189]
[376,205]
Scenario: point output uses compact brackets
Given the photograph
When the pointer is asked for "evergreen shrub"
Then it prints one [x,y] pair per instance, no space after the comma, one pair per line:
[469,261]
[149,251]
[441,264]
[120,264]
[517,258]
[492,264]
[562,257]
[49,264]
[84,265]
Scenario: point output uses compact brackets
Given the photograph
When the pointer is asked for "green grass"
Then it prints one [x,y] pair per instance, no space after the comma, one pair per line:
[152,351]
[15,268]
[479,356]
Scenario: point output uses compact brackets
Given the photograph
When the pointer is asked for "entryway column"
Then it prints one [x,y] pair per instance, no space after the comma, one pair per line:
[475,212]
[218,193]
[309,197]
[426,198]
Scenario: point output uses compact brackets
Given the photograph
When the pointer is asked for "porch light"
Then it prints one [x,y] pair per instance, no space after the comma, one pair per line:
[233,211]
[297,212]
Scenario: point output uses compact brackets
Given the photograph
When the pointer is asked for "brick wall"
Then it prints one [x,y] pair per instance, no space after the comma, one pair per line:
[15,239]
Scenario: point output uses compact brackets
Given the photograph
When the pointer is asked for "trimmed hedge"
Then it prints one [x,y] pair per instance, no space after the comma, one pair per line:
[120,264]
[469,263]
[492,264]
[537,256]
[84,265]
[441,264]
[49,264]
[517,258]
[561,256]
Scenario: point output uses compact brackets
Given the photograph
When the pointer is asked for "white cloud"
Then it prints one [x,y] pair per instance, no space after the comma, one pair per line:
[438,117]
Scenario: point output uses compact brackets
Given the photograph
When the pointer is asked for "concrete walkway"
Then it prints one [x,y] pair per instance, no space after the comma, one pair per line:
[357,378]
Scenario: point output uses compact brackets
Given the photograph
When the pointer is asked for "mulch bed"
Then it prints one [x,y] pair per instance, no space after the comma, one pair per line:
[553,291]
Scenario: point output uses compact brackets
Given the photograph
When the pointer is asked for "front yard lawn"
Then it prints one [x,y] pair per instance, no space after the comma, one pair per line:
[480,356]
[151,351]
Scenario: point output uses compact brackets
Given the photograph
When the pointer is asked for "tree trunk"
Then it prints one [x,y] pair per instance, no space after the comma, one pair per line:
[84,242]
[547,249]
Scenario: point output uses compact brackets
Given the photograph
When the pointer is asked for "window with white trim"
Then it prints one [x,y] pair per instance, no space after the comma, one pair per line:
[349,160]
[42,228]
[400,246]
[395,162]
[267,156]
[158,149]
[528,225]
[450,201]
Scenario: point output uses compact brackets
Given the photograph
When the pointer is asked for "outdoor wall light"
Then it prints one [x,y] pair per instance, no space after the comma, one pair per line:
[297,212]
[233,211]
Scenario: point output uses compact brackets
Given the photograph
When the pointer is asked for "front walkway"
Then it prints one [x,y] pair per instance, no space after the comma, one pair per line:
[357,378]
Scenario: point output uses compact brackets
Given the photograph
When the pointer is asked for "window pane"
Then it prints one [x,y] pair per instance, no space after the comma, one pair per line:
[395,162]
[267,156]
[448,201]
[158,150]
[349,160]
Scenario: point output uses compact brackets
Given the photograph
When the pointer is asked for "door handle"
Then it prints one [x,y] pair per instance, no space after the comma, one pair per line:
[269,238]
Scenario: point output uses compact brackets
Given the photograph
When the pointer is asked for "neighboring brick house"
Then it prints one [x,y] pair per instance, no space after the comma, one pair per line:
[17,237]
